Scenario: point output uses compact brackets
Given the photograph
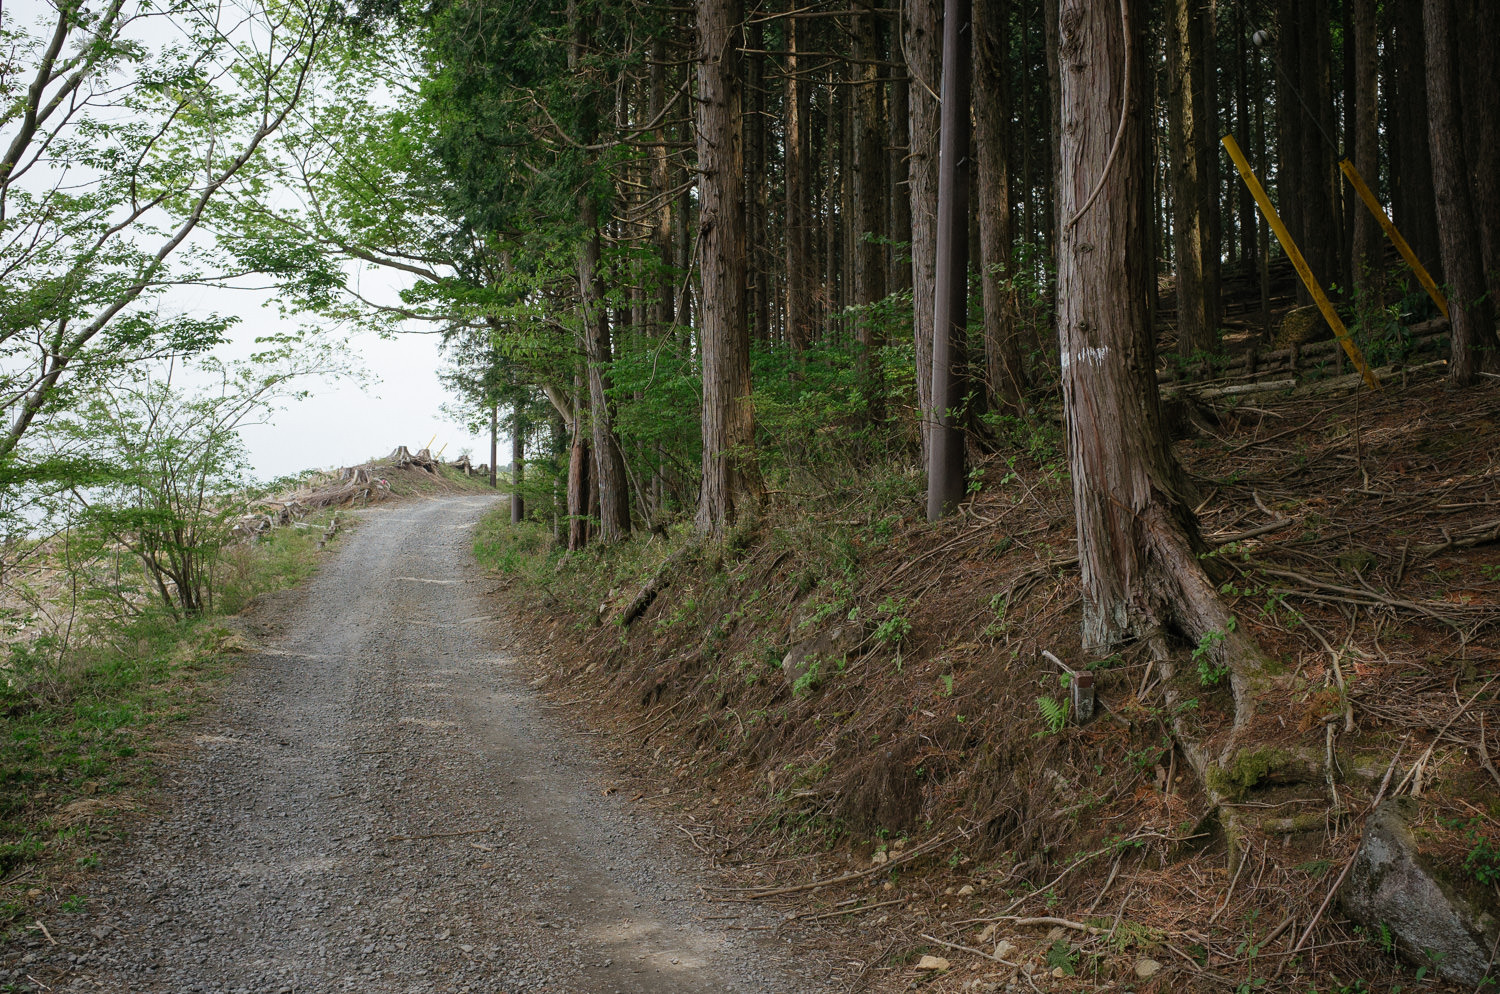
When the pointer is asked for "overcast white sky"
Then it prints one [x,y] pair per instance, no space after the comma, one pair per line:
[343,423]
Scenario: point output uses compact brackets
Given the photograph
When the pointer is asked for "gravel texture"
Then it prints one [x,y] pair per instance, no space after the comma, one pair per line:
[382,804]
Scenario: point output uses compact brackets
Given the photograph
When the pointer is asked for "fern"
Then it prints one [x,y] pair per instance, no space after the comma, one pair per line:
[1054,713]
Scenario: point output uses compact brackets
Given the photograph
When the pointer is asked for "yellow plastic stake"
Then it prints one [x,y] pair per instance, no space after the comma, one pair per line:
[1358,182]
[1300,264]
[428,446]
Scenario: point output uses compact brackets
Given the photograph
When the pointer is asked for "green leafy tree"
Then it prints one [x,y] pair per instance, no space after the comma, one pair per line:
[127,133]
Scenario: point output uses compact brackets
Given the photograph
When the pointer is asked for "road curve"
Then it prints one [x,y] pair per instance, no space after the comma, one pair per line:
[380,804]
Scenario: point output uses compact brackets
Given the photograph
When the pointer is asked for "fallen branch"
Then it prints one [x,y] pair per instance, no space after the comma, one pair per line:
[756,893]
[980,952]
[658,582]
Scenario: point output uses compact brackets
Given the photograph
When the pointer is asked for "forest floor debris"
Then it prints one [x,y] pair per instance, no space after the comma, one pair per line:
[1356,536]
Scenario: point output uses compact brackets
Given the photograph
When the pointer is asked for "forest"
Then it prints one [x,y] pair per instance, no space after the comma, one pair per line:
[809,283]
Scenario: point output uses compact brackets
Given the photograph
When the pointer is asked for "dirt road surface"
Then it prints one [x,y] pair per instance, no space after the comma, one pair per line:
[382,804]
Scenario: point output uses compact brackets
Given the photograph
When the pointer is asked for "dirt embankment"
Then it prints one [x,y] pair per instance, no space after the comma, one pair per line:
[845,691]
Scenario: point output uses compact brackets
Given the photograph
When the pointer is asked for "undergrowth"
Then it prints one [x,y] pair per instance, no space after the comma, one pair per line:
[82,716]
[840,673]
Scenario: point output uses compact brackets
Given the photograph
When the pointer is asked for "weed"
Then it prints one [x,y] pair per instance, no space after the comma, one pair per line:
[1483,860]
[1062,956]
[894,626]
[1211,668]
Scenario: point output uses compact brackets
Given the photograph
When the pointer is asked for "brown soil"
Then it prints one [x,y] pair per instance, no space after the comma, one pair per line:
[1357,539]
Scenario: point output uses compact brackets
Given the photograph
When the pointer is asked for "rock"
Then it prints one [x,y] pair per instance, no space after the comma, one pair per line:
[879,858]
[1145,969]
[1302,325]
[1058,973]
[932,963]
[1005,949]
[965,890]
[1392,885]
[807,664]
[987,933]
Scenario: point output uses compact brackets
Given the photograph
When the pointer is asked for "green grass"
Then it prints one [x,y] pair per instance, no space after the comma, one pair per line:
[81,725]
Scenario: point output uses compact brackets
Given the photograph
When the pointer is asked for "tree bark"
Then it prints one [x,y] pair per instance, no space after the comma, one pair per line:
[946,476]
[1206,138]
[661,182]
[1004,369]
[924,53]
[578,473]
[518,464]
[1187,194]
[730,477]
[1320,240]
[898,268]
[1415,203]
[1138,540]
[494,444]
[609,461]
[870,199]
[1479,86]
[1289,130]
[757,186]
[1471,311]
[1366,230]
[799,259]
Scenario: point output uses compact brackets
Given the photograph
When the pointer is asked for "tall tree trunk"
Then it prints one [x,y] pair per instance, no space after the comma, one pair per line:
[1414,201]
[609,461]
[730,476]
[1138,541]
[1471,310]
[1206,137]
[1050,41]
[518,463]
[1246,203]
[1320,240]
[579,482]
[1479,85]
[1366,230]
[1005,372]
[661,183]
[1289,127]
[898,269]
[924,57]
[757,186]
[799,256]
[494,445]
[833,201]
[946,477]
[1187,183]
[870,200]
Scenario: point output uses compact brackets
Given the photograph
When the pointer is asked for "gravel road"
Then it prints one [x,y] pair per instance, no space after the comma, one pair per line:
[381,803]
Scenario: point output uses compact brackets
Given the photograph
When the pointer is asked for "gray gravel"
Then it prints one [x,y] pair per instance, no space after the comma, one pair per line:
[382,804]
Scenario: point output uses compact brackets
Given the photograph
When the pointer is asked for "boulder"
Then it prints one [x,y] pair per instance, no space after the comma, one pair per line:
[1392,884]
[1302,325]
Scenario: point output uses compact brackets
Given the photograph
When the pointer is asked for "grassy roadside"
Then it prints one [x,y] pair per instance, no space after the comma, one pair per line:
[83,731]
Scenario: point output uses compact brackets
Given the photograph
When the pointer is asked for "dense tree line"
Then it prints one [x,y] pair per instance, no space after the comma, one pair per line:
[733,244]
[706,185]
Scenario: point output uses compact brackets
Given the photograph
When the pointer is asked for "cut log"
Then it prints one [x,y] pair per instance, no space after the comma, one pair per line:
[659,581]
